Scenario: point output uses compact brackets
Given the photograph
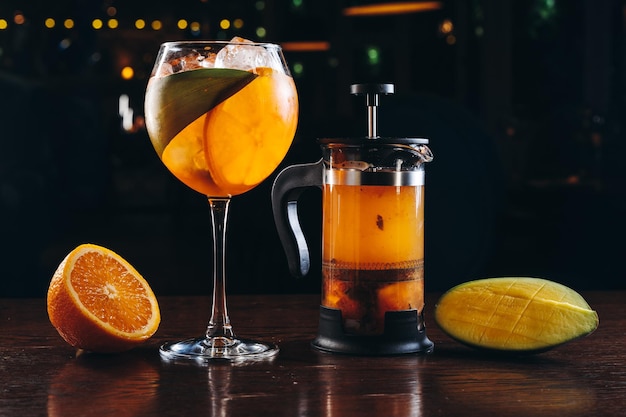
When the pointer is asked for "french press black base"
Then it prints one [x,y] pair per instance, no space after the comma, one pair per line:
[404,333]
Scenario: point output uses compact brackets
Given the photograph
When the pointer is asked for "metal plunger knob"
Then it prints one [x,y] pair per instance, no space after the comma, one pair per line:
[372,92]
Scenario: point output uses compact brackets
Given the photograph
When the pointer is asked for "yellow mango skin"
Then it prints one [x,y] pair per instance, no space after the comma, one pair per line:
[514,314]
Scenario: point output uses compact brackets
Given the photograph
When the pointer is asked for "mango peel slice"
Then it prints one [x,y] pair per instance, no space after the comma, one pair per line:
[514,314]
[179,99]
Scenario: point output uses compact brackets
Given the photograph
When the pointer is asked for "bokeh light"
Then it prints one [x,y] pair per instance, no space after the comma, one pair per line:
[298,69]
[195,28]
[19,18]
[127,73]
[446,26]
[373,55]
[64,44]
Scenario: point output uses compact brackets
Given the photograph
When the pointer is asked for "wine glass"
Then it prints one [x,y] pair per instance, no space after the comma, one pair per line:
[221,115]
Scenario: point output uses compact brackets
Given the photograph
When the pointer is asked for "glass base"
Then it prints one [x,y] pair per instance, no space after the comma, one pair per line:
[224,349]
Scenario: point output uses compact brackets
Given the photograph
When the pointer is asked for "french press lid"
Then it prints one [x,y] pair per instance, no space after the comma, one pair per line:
[374,160]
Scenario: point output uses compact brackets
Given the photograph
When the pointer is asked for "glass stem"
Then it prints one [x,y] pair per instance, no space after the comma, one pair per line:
[219,324]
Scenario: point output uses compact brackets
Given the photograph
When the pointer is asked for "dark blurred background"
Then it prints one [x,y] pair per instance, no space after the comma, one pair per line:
[523,102]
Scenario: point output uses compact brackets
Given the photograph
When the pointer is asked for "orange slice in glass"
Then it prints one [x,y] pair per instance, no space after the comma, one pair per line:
[249,134]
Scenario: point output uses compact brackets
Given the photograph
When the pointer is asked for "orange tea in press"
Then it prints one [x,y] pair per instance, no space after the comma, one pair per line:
[373,253]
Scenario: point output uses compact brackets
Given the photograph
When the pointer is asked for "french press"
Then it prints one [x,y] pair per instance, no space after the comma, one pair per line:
[372,237]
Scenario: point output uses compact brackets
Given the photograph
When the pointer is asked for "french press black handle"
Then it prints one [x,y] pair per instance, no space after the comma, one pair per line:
[288,186]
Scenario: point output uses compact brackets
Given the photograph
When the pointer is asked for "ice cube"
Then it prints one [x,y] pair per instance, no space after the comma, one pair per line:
[208,61]
[247,56]
[163,69]
[190,62]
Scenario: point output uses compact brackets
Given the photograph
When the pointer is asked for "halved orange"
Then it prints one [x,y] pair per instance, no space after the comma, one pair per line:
[98,302]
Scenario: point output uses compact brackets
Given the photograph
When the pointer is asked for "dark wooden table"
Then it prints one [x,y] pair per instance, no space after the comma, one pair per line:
[40,375]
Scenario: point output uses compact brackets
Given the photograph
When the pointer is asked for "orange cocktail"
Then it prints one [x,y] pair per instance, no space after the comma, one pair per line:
[221,116]
[373,253]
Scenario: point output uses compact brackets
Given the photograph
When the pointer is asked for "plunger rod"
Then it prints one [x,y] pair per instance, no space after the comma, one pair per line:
[372,115]
[372,92]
